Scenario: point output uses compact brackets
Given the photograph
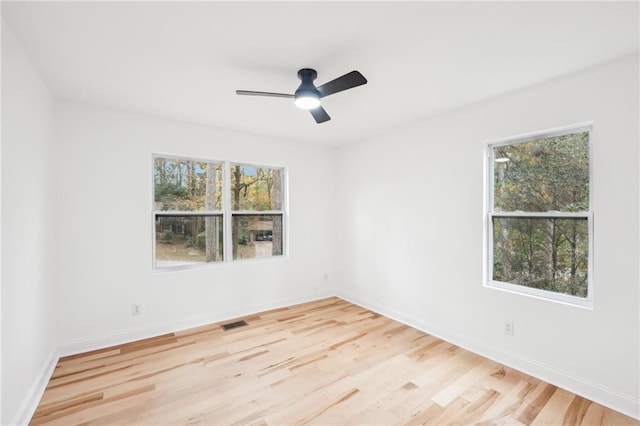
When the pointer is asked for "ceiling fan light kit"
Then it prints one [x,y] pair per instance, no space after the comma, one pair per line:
[307,95]
[307,101]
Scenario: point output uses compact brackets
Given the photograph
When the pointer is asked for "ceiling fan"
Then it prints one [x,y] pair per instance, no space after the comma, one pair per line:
[307,95]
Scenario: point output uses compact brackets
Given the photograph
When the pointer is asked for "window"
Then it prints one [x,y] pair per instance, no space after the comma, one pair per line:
[214,211]
[257,211]
[539,222]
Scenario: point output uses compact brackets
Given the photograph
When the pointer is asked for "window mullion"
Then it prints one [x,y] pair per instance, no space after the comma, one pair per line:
[188,213]
[541,215]
[226,207]
[257,212]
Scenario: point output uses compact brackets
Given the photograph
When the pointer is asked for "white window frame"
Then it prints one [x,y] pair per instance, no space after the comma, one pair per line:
[490,213]
[230,213]
[226,213]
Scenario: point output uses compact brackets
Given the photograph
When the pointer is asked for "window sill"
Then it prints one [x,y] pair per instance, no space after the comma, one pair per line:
[564,299]
[216,265]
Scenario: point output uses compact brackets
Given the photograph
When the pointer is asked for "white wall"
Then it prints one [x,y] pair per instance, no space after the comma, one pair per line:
[412,234]
[105,240]
[28,228]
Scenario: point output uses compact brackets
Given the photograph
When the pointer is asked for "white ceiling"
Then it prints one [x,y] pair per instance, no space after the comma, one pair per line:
[185,60]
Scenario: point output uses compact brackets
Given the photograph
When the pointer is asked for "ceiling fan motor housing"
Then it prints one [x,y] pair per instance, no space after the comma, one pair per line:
[307,88]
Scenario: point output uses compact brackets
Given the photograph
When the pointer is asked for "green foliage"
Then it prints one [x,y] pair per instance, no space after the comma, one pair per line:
[186,185]
[165,190]
[545,175]
[201,240]
[167,237]
[549,174]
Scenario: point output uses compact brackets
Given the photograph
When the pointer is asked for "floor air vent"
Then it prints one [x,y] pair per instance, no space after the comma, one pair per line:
[233,325]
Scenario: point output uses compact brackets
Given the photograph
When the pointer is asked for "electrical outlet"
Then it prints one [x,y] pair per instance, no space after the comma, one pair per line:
[508,328]
[136,310]
[325,277]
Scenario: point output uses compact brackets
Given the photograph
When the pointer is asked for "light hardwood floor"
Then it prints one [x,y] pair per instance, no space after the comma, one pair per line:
[327,362]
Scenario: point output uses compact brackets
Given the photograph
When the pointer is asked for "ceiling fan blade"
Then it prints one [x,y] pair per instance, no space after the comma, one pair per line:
[347,81]
[271,94]
[320,115]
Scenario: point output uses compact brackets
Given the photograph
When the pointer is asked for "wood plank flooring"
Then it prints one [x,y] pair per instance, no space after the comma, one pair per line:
[327,362]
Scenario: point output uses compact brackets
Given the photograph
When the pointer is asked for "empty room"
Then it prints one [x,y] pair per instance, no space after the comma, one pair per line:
[329,213]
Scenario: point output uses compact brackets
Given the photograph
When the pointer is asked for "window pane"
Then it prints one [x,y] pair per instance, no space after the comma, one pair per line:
[256,188]
[187,185]
[256,236]
[187,240]
[544,253]
[550,174]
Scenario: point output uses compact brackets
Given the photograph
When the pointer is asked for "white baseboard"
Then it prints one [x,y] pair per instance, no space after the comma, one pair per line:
[603,395]
[153,330]
[32,399]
